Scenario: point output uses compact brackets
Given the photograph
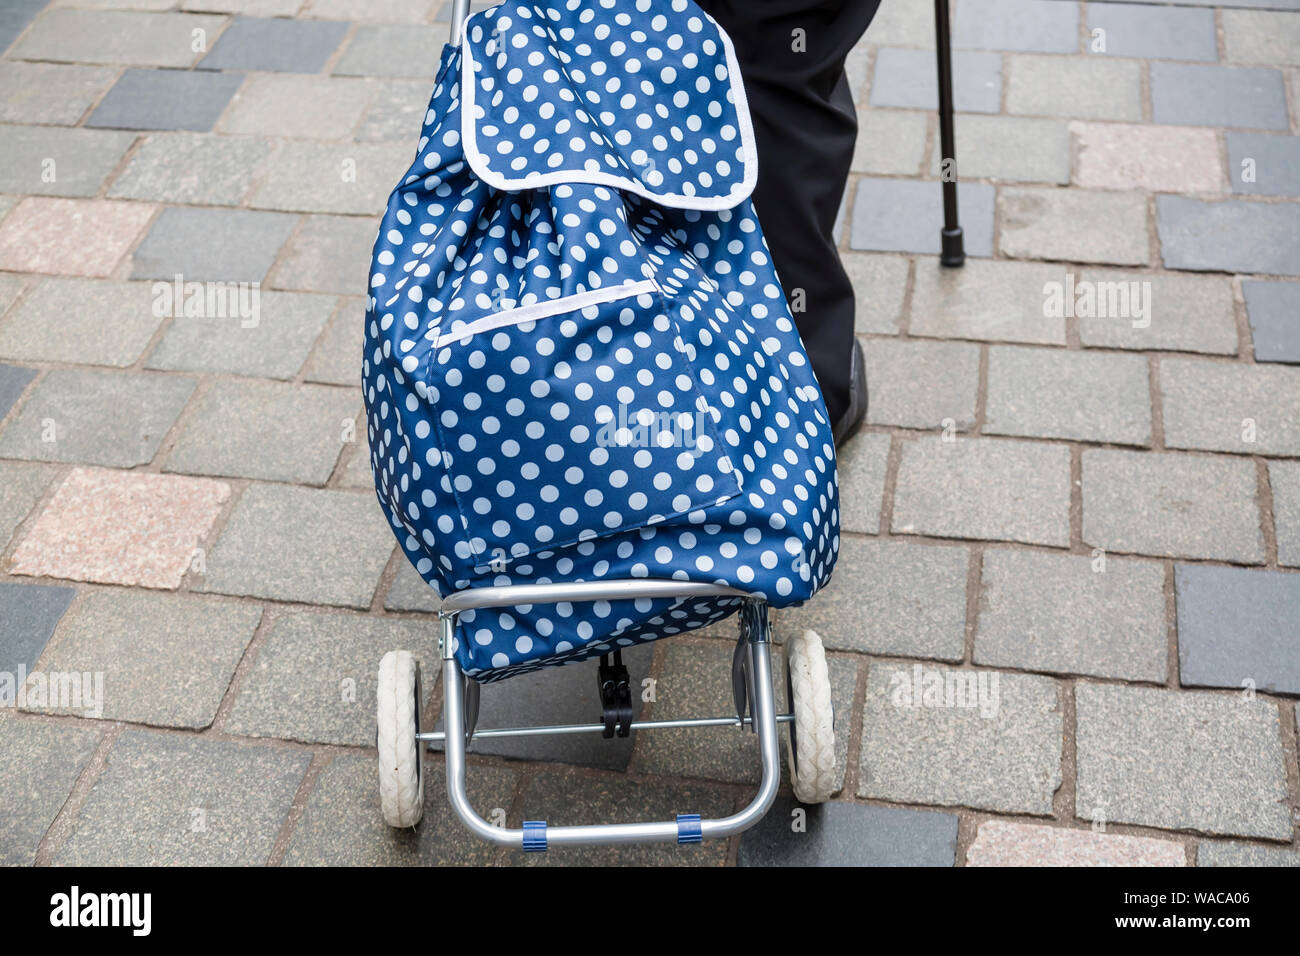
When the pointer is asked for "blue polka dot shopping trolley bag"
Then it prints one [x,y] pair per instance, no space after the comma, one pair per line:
[591,421]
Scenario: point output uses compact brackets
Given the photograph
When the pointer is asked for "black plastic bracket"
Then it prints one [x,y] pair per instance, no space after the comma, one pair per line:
[615,696]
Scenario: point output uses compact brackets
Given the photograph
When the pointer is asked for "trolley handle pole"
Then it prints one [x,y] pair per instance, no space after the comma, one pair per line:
[459,10]
[951,243]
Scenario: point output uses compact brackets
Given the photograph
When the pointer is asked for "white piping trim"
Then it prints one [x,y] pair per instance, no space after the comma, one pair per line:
[546,309]
[478,162]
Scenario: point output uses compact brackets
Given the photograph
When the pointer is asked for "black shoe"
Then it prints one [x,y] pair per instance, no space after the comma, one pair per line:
[856,414]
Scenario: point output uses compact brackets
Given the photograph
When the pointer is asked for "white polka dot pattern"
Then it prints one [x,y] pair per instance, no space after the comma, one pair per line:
[579,382]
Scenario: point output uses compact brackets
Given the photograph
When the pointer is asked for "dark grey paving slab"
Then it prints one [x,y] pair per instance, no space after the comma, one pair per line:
[328,254]
[1264,165]
[96,417]
[341,824]
[22,484]
[13,379]
[1181,760]
[1284,478]
[275,45]
[191,169]
[314,676]
[1231,406]
[907,78]
[849,834]
[335,358]
[1238,628]
[52,161]
[225,245]
[1166,33]
[166,659]
[997,747]
[1274,312]
[180,800]
[860,468]
[31,612]
[268,430]
[1230,853]
[1178,313]
[874,603]
[1196,95]
[301,544]
[53,93]
[82,321]
[903,215]
[392,50]
[39,763]
[1071,614]
[1232,236]
[560,695]
[1039,25]
[15,16]
[922,384]
[165,99]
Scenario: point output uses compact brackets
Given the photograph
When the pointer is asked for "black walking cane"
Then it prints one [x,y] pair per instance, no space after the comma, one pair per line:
[952,249]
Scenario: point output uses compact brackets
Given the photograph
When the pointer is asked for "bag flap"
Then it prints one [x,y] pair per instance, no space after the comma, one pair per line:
[641,96]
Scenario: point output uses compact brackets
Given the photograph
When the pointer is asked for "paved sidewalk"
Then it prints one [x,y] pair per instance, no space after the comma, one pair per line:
[1078,495]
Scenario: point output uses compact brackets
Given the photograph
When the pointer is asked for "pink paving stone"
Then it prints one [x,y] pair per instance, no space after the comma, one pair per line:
[1173,159]
[75,237]
[1000,843]
[121,527]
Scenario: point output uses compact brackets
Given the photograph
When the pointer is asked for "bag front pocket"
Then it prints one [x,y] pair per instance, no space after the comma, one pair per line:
[569,420]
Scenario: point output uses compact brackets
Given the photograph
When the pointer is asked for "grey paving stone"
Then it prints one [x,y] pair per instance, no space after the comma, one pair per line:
[1274,311]
[860,466]
[984,489]
[336,359]
[10,285]
[1085,87]
[386,11]
[560,695]
[1017,25]
[1173,505]
[880,284]
[53,93]
[268,430]
[357,473]
[409,591]
[1268,37]
[1181,760]
[191,169]
[51,161]
[1055,393]
[849,834]
[287,46]
[15,16]
[904,215]
[1222,406]
[166,99]
[328,254]
[919,384]
[39,763]
[1179,313]
[1196,95]
[314,676]
[341,824]
[1077,225]
[96,417]
[1284,479]
[397,112]
[1010,149]
[22,484]
[1228,853]
[998,747]
[316,177]
[986,299]
[1233,236]
[275,346]
[1273,162]
[13,379]
[180,800]
[31,612]
[899,598]
[1236,625]
[82,321]
[116,36]
[907,78]
[890,142]
[903,24]
[392,50]
[571,798]
[256,8]
[298,106]
[1166,33]
[300,544]
[694,681]
[1070,614]
[166,659]
[224,245]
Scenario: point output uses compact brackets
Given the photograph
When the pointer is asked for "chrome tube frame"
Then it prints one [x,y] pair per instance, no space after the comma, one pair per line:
[459,11]
[762,708]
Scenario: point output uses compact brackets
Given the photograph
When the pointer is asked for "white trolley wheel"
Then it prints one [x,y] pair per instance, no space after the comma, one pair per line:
[401,757]
[811,738]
